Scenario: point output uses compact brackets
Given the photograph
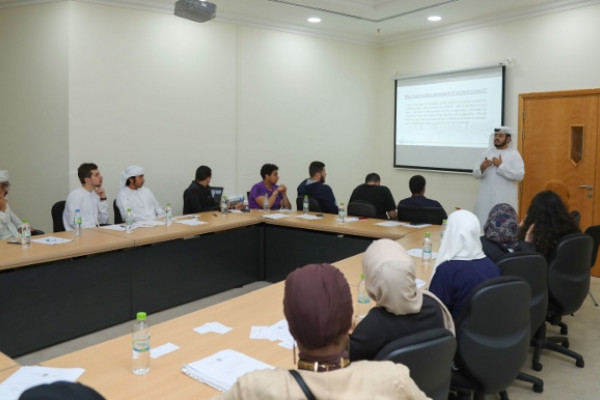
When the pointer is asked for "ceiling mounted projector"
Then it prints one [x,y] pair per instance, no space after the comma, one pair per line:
[195,10]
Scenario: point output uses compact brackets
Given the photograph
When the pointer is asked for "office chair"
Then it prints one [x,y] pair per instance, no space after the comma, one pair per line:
[428,355]
[594,232]
[492,338]
[118,218]
[360,208]
[532,267]
[568,286]
[420,215]
[57,216]
[313,204]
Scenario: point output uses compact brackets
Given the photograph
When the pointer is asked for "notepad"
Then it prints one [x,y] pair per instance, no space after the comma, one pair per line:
[222,369]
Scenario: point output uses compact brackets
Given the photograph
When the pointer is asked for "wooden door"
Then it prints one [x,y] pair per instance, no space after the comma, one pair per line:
[559,140]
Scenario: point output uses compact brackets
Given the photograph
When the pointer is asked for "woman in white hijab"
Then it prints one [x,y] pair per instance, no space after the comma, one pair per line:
[461,264]
[401,308]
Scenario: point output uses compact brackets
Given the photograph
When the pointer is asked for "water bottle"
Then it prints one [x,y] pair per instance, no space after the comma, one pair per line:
[141,345]
[426,254]
[77,222]
[363,301]
[305,205]
[224,205]
[168,215]
[25,234]
[266,204]
[443,229]
[341,213]
[246,205]
[129,221]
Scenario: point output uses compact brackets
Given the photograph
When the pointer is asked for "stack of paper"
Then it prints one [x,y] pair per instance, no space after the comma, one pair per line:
[222,370]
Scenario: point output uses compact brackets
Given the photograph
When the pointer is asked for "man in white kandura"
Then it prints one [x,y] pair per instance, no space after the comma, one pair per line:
[89,199]
[500,169]
[132,194]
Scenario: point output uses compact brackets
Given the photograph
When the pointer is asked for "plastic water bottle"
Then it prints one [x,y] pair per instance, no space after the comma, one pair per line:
[266,204]
[129,221]
[341,213]
[443,228]
[26,234]
[224,205]
[305,205]
[426,254]
[141,345]
[77,222]
[363,301]
[168,215]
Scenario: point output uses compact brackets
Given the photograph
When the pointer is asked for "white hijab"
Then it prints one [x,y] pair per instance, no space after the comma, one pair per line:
[132,170]
[461,239]
[390,275]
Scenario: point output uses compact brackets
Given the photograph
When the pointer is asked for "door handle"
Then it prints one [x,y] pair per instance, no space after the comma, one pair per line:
[588,187]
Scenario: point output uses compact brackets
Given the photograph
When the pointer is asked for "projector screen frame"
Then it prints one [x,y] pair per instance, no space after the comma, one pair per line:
[500,67]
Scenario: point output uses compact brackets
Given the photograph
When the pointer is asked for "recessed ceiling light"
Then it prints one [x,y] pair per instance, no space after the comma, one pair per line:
[434,18]
[314,20]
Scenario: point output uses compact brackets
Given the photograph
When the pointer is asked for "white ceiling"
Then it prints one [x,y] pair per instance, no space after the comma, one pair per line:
[369,21]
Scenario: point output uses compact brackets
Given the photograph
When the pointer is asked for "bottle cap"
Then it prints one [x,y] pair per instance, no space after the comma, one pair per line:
[168,204]
[25,221]
[444,221]
[362,276]
[140,316]
[129,210]
[77,210]
[427,234]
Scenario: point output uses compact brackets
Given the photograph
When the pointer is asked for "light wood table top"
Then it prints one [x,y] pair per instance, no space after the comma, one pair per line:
[6,362]
[91,241]
[328,223]
[107,364]
[215,222]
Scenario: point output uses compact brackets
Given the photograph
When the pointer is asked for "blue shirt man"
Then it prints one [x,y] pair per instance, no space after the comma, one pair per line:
[316,188]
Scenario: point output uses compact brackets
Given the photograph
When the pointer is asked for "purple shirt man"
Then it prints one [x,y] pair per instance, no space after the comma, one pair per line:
[268,189]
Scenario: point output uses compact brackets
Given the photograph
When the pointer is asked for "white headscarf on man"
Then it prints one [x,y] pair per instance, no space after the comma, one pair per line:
[132,170]
[461,239]
[4,175]
[390,280]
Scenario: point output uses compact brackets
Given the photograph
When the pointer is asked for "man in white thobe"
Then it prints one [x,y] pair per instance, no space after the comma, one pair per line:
[139,199]
[10,224]
[500,169]
[89,199]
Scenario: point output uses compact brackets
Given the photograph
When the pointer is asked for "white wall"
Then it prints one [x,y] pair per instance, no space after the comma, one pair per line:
[552,52]
[33,108]
[87,82]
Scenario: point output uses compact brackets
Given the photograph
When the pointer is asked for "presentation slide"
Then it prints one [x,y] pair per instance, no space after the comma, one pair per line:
[444,121]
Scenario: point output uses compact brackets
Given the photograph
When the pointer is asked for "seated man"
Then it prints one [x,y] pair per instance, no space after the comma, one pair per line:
[276,194]
[417,188]
[380,196]
[10,224]
[90,199]
[132,194]
[197,197]
[317,304]
[316,188]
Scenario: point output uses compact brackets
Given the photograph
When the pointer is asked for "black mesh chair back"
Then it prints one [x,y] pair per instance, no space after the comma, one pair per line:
[492,336]
[118,218]
[313,204]
[428,355]
[57,216]
[420,215]
[594,232]
[532,267]
[359,208]
[569,273]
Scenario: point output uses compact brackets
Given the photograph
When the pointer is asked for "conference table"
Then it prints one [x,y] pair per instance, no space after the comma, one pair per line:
[104,276]
[107,365]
